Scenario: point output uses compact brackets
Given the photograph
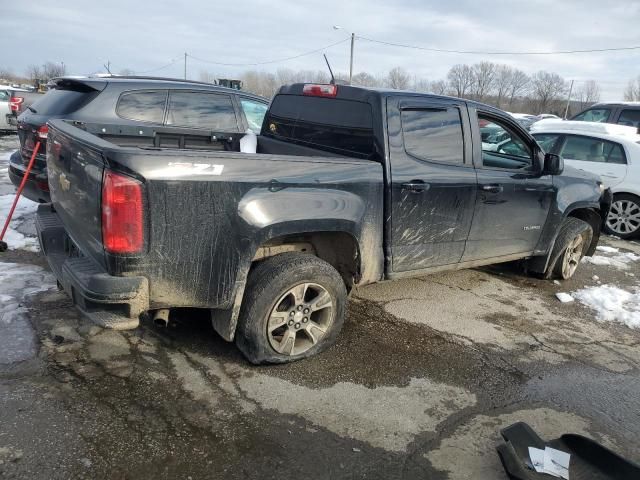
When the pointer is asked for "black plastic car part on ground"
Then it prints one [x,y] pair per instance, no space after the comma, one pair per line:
[367,184]
[589,460]
[200,109]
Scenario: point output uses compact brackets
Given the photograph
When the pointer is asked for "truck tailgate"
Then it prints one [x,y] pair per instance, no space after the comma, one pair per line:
[75,181]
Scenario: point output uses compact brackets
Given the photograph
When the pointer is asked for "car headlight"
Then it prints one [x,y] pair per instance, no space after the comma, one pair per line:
[601,187]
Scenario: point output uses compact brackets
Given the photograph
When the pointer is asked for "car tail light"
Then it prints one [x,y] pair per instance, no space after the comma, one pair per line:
[320,90]
[14,103]
[42,132]
[122,217]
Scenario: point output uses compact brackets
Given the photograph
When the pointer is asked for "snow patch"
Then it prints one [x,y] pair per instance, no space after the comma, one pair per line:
[612,304]
[620,261]
[605,249]
[24,212]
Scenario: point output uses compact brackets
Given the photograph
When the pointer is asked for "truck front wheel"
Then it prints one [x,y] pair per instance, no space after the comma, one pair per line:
[293,307]
[573,240]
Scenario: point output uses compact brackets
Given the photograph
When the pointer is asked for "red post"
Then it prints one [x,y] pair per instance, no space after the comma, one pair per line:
[20,188]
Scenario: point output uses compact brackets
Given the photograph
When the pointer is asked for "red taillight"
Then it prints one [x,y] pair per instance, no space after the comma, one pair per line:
[42,132]
[320,90]
[122,218]
[14,103]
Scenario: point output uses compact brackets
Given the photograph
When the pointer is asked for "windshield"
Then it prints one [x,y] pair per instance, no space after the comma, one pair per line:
[594,115]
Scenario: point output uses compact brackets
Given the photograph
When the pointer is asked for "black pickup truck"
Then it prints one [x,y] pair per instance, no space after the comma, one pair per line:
[349,186]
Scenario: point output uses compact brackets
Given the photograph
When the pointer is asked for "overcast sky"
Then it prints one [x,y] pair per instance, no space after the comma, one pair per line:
[143,35]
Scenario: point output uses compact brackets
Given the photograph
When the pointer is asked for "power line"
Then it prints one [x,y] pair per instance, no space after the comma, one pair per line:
[174,61]
[479,52]
[271,61]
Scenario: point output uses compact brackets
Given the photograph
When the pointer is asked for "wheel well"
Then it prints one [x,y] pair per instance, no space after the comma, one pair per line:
[339,249]
[592,217]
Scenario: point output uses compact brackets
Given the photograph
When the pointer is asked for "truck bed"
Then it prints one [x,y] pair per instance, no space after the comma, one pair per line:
[207,211]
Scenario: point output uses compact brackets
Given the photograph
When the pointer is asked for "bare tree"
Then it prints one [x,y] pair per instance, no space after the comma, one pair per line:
[502,83]
[588,94]
[439,87]
[52,70]
[460,78]
[484,74]
[519,84]
[421,85]
[547,88]
[365,79]
[398,79]
[632,92]
[34,72]
[6,74]
[260,83]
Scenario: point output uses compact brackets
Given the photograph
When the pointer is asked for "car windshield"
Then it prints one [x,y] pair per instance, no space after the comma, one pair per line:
[594,115]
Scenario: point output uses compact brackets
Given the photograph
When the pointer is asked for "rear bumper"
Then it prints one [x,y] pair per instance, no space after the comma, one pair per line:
[109,301]
[32,189]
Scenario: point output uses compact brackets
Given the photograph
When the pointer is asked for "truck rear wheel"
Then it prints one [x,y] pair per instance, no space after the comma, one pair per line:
[573,240]
[293,307]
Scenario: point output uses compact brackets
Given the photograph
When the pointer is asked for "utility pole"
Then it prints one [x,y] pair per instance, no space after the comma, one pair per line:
[185,65]
[353,38]
[566,110]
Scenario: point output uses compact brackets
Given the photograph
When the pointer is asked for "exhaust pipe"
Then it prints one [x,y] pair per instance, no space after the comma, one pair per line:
[161,317]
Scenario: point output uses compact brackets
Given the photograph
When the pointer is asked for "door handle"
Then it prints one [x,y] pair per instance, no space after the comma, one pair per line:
[415,186]
[493,188]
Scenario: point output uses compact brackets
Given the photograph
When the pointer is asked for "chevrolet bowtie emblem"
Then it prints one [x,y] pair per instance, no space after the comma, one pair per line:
[64,183]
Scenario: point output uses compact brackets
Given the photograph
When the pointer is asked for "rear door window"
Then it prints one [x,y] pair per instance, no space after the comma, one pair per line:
[433,135]
[590,149]
[594,115]
[630,117]
[210,111]
[4,95]
[331,124]
[143,106]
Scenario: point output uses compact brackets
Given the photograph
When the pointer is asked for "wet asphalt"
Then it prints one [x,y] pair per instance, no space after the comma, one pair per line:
[424,375]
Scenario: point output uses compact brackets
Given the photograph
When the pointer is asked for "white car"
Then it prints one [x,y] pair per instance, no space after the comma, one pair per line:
[611,151]
[6,92]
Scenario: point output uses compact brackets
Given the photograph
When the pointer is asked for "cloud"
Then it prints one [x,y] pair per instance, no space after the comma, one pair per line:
[148,34]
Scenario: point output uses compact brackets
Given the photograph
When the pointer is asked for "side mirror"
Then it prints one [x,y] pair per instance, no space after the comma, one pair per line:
[553,164]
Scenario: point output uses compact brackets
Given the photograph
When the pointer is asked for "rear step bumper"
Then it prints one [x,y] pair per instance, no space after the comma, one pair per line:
[109,301]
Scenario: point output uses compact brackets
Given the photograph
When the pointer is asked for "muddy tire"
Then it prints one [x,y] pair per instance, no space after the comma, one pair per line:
[293,308]
[623,220]
[572,241]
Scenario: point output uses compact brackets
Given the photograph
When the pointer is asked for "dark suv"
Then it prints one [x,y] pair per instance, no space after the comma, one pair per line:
[622,113]
[178,111]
